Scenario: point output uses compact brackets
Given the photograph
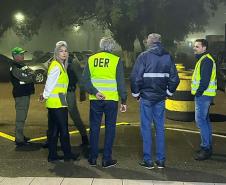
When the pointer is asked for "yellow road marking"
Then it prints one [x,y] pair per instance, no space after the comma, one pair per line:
[7,136]
[12,138]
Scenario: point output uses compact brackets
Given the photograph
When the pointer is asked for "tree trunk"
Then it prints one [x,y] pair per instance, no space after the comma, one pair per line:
[128,58]
[126,41]
[141,41]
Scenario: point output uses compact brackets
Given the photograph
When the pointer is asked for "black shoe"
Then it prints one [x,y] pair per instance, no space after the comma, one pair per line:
[55,158]
[147,165]
[73,157]
[198,151]
[92,162]
[20,144]
[210,150]
[26,139]
[108,164]
[203,155]
[23,143]
[45,145]
[160,164]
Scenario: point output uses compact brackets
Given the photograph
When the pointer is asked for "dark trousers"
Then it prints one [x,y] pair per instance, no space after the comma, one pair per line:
[58,126]
[22,105]
[74,113]
[97,109]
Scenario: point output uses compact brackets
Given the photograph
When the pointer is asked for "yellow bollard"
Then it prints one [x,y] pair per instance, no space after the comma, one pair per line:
[181,106]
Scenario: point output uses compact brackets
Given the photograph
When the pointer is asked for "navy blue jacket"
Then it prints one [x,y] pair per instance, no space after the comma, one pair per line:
[154,75]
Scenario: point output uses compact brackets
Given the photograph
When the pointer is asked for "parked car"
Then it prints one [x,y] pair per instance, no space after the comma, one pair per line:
[40,66]
[4,68]
[221,71]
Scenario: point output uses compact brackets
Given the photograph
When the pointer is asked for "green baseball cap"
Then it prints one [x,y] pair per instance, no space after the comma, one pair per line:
[17,51]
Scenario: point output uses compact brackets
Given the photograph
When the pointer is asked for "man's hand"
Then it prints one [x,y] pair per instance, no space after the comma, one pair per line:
[123,108]
[138,98]
[100,96]
[41,98]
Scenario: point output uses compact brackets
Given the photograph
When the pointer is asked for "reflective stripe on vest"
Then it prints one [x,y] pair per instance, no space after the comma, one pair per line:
[102,68]
[61,85]
[196,77]
[57,97]
[156,75]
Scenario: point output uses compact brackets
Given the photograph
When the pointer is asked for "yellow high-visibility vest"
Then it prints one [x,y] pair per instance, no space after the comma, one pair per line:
[57,97]
[102,68]
[196,77]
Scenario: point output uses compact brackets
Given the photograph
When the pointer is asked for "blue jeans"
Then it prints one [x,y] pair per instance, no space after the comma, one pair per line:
[202,105]
[152,113]
[97,109]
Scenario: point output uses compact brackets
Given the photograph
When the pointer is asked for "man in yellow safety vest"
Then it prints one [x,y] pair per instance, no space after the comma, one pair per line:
[203,86]
[104,81]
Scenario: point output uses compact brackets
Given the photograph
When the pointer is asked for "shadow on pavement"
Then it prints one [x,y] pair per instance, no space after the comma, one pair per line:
[30,147]
[169,173]
[219,157]
[70,169]
[217,117]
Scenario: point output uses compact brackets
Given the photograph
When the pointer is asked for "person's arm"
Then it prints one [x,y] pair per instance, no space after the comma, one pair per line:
[205,73]
[87,81]
[78,73]
[173,79]
[121,86]
[136,77]
[51,81]
[23,74]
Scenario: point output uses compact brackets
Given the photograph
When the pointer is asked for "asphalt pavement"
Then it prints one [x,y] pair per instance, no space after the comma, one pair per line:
[182,139]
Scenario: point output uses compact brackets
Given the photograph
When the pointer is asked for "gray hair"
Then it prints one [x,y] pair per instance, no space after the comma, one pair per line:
[107,44]
[153,38]
[59,44]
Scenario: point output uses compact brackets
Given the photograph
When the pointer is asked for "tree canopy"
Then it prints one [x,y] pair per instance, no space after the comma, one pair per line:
[126,19]
[174,19]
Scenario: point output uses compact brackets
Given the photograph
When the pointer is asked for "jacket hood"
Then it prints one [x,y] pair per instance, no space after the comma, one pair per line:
[157,49]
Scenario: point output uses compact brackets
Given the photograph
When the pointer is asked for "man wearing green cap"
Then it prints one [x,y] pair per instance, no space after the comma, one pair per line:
[22,80]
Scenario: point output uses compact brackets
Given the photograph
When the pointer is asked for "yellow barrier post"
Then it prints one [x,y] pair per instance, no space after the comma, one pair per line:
[181,106]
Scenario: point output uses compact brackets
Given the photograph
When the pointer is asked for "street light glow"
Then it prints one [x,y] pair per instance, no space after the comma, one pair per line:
[19,17]
[76,27]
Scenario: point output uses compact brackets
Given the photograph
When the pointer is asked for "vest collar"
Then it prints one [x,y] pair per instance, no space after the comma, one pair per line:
[198,56]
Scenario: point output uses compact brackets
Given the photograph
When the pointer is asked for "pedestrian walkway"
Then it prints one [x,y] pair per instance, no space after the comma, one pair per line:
[90,181]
